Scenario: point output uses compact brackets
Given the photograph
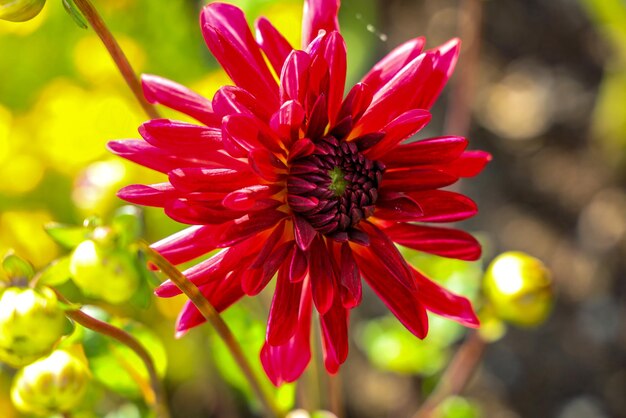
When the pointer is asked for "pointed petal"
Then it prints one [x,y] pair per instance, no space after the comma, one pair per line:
[350,279]
[273,44]
[229,100]
[287,122]
[294,77]
[229,38]
[248,198]
[447,56]
[445,303]
[445,242]
[396,96]
[384,249]
[401,302]
[175,96]
[303,232]
[428,151]
[469,164]
[199,213]
[393,62]
[321,274]
[298,265]
[266,165]
[397,207]
[443,206]
[190,180]
[319,15]
[333,49]
[416,179]
[396,131]
[334,327]
[148,195]
[189,243]
[286,362]
[283,319]
[248,226]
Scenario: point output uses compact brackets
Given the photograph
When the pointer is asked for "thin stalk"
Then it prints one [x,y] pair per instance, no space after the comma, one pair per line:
[130,342]
[114,49]
[334,395]
[211,315]
[456,376]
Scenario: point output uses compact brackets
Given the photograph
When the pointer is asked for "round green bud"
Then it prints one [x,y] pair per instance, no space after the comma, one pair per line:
[519,288]
[31,322]
[104,273]
[20,10]
[54,384]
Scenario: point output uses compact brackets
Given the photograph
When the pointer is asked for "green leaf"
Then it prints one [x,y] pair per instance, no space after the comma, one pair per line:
[56,273]
[16,267]
[74,13]
[67,236]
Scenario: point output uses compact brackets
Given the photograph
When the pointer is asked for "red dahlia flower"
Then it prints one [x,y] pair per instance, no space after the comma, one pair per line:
[286,175]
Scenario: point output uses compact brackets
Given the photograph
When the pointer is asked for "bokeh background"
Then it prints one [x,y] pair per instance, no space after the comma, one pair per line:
[540,84]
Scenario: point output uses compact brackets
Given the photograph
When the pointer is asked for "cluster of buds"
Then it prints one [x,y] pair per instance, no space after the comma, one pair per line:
[32,325]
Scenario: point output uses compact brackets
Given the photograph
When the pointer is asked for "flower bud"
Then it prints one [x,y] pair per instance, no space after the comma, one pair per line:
[31,322]
[104,273]
[54,384]
[20,10]
[519,288]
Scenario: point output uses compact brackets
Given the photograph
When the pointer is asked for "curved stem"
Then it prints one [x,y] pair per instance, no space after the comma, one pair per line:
[208,311]
[456,376]
[114,49]
[130,342]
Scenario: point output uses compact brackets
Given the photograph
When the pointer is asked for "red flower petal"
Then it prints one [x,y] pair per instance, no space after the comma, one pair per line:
[425,152]
[228,36]
[401,302]
[303,232]
[396,96]
[294,77]
[321,274]
[189,243]
[444,206]
[445,242]
[396,131]
[287,122]
[230,100]
[298,265]
[283,318]
[397,207]
[157,159]
[266,165]
[447,55]
[286,362]
[225,180]
[175,96]
[393,62]
[416,179]
[333,49]
[273,44]
[319,15]
[182,138]
[255,280]
[381,247]
[334,327]
[356,102]
[350,279]
[469,164]
[445,303]
[148,195]
[199,213]
[248,198]
[248,226]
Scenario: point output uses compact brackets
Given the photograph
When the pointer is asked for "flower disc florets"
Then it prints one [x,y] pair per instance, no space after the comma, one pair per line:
[335,187]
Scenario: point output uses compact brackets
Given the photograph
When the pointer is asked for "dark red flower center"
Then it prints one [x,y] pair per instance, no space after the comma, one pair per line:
[335,187]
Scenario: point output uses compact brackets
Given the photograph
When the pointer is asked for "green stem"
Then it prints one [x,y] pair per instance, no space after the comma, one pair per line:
[211,315]
[456,376]
[130,342]
[114,49]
